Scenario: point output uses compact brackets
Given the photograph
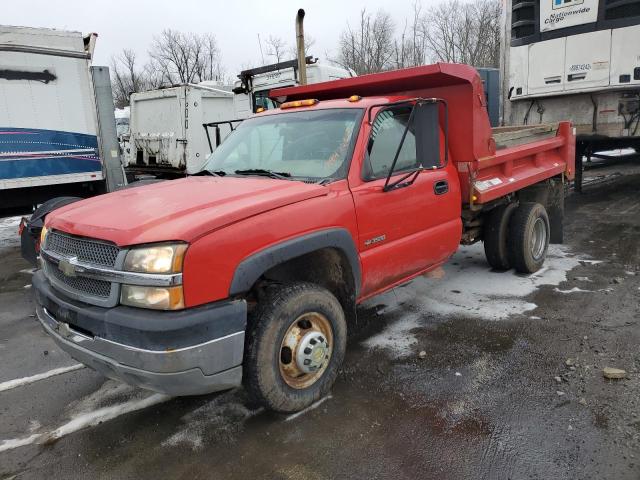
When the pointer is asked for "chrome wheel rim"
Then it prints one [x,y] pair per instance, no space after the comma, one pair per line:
[538,238]
[306,350]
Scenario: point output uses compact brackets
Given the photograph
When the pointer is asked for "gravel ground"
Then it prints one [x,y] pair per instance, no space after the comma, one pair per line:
[467,373]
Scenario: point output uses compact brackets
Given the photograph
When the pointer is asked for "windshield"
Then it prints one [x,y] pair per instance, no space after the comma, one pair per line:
[304,145]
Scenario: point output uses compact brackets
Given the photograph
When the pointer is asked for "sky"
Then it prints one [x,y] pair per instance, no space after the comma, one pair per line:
[235,23]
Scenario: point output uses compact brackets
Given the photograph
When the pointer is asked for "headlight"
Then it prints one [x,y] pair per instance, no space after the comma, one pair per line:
[43,235]
[160,298]
[156,259]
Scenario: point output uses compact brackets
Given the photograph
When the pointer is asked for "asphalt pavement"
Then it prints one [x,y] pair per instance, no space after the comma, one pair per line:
[463,374]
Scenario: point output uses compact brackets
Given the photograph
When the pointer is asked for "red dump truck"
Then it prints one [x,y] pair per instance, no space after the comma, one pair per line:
[249,272]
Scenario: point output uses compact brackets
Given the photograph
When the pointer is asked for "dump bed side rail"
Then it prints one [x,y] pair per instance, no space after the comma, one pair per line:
[514,168]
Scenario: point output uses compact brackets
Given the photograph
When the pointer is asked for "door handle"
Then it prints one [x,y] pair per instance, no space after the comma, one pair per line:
[441,187]
[576,76]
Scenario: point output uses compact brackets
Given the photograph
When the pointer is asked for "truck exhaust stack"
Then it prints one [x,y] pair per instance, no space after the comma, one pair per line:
[302,64]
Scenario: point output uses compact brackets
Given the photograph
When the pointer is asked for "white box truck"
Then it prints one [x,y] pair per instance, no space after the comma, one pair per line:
[575,60]
[166,137]
[50,119]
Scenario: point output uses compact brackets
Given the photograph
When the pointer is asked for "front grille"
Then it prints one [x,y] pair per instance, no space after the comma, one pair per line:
[89,251]
[79,285]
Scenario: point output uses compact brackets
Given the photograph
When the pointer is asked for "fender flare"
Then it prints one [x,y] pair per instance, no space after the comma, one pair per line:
[252,267]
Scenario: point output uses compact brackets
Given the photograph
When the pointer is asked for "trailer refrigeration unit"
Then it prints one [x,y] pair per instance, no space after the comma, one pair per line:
[577,60]
[57,130]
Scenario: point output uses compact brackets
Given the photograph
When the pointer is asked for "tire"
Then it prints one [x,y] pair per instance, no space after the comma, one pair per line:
[496,235]
[270,365]
[529,233]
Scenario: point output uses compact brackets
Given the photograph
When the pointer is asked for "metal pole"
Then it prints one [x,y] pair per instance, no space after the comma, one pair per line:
[302,62]
[107,136]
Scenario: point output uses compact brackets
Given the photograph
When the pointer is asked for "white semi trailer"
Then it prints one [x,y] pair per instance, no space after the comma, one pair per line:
[575,60]
[57,130]
[167,138]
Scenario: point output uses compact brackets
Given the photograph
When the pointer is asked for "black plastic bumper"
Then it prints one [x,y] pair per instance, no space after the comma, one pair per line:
[193,351]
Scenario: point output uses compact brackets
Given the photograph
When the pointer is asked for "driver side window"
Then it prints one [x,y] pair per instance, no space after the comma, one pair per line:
[386,135]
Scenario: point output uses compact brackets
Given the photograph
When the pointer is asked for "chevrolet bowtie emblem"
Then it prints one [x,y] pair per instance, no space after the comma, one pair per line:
[67,266]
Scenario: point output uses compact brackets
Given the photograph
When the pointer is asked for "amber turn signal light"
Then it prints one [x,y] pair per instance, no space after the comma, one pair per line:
[299,103]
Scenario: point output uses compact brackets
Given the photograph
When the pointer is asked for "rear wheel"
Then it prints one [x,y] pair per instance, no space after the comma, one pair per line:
[295,345]
[528,237]
[495,236]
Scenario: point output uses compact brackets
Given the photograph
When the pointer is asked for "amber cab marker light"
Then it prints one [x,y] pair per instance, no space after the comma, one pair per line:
[299,103]
[354,98]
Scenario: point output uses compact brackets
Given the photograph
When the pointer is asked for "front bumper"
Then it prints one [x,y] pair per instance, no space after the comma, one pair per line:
[188,352]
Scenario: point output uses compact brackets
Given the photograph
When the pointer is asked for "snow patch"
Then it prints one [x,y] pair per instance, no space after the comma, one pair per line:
[396,337]
[313,406]
[90,419]
[84,415]
[218,420]
[469,288]
[184,437]
[571,290]
[9,237]
[18,442]
[591,262]
[19,382]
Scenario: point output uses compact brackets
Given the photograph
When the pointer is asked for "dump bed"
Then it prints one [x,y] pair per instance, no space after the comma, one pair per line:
[490,163]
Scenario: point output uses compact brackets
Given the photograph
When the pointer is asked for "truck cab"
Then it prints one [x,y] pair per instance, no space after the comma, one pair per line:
[253,86]
[250,272]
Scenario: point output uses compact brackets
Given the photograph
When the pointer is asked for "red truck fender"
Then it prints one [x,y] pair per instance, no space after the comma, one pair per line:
[253,267]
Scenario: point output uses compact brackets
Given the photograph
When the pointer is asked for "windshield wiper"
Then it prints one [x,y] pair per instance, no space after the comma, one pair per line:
[213,173]
[325,181]
[266,173]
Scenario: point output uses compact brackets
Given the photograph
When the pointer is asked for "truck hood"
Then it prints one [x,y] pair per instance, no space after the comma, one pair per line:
[182,209]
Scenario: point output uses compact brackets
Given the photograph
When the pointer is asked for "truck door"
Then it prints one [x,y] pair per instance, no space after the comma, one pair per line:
[405,230]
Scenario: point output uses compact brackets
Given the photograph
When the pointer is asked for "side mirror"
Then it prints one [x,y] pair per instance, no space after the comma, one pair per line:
[427,133]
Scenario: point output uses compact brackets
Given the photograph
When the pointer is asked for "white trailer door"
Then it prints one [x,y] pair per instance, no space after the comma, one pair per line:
[518,71]
[546,66]
[587,60]
[625,56]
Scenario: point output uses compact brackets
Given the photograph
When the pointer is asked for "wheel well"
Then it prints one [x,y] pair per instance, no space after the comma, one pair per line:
[328,267]
[550,193]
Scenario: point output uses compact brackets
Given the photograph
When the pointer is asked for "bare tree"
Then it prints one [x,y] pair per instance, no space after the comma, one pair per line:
[185,58]
[463,32]
[276,48]
[410,47]
[369,47]
[309,42]
[126,77]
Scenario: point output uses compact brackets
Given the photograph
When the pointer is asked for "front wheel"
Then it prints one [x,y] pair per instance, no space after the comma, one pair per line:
[529,234]
[295,345]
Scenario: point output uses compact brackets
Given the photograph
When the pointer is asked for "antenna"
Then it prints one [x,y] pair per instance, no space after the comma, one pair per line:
[260,45]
